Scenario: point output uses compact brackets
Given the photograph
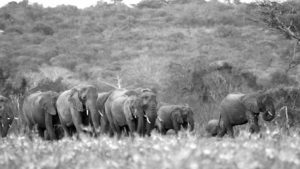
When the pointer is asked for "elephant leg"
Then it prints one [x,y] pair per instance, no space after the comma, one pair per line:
[175,126]
[41,131]
[65,129]
[1,129]
[163,131]
[30,130]
[6,124]
[191,123]
[77,121]
[118,131]
[131,126]
[185,125]
[110,120]
[95,122]
[49,126]
[230,132]
[254,127]
[221,132]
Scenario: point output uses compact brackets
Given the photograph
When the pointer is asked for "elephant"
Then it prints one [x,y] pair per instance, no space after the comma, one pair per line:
[39,109]
[104,123]
[239,109]
[135,107]
[6,115]
[187,116]
[150,108]
[169,117]
[77,110]
[212,128]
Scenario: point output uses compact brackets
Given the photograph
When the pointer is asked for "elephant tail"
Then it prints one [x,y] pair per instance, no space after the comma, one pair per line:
[219,121]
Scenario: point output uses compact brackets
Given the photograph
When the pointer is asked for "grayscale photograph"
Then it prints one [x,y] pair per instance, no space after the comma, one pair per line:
[149,84]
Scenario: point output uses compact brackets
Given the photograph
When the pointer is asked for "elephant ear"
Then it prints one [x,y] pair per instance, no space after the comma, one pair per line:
[250,102]
[40,100]
[177,116]
[75,100]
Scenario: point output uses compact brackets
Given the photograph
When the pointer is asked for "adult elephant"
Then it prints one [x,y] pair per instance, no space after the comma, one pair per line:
[6,115]
[39,109]
[149,107]
[104,123]
[239,108]
[77,108]
[140,103]
[169,117]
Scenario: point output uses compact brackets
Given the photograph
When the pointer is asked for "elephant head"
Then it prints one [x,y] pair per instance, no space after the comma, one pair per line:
[188,116]
[266,105]
[84,98]
[136,111]
[176,115]
[74,99]
[260,102]
[48,103]
[149,106]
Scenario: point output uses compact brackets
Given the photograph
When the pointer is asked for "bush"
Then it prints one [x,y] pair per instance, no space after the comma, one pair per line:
[14,29]
[42,28]
[282,78]
[151,4]
[225,31]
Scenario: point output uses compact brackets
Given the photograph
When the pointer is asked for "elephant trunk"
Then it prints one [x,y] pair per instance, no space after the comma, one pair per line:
[140,127]
[269,115]
[151,114]
[93,115]
[191,123]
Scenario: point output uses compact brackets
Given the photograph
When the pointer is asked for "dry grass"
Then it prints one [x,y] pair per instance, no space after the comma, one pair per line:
[185,151]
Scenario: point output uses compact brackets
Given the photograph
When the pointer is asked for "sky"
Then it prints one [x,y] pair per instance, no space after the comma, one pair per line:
[78,3]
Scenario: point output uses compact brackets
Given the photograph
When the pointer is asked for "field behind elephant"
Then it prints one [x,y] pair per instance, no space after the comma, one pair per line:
[164,152]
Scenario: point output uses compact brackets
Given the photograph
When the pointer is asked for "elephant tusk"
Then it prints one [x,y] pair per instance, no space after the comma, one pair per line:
[147,119]
[87,111]
[100,113]
[159,119]
[269,113]
[16,118]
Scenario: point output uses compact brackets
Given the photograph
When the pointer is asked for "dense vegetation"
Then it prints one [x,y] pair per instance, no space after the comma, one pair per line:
[191,51]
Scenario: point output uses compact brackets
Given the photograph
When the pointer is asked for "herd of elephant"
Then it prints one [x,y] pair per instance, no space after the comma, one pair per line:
[82,109]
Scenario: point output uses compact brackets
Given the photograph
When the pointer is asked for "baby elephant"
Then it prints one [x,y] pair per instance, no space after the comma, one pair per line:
[212,128]
[169,117]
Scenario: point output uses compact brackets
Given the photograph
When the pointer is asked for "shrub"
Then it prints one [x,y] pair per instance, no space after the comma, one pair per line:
[14,29]
[225,31]
[151,4]
[42,28]
[282,78]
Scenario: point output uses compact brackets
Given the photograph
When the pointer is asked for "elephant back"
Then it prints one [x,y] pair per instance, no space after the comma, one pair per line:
[232,105]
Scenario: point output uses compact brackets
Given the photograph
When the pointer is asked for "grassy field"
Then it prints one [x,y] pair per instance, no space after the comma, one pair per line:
[164,152]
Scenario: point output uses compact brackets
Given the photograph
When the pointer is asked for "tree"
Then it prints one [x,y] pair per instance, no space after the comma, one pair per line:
[284,18]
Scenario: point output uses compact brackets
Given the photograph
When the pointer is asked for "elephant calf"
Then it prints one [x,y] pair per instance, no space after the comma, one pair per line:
[212,127]
[6,115]
[39,109]
[169,117]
